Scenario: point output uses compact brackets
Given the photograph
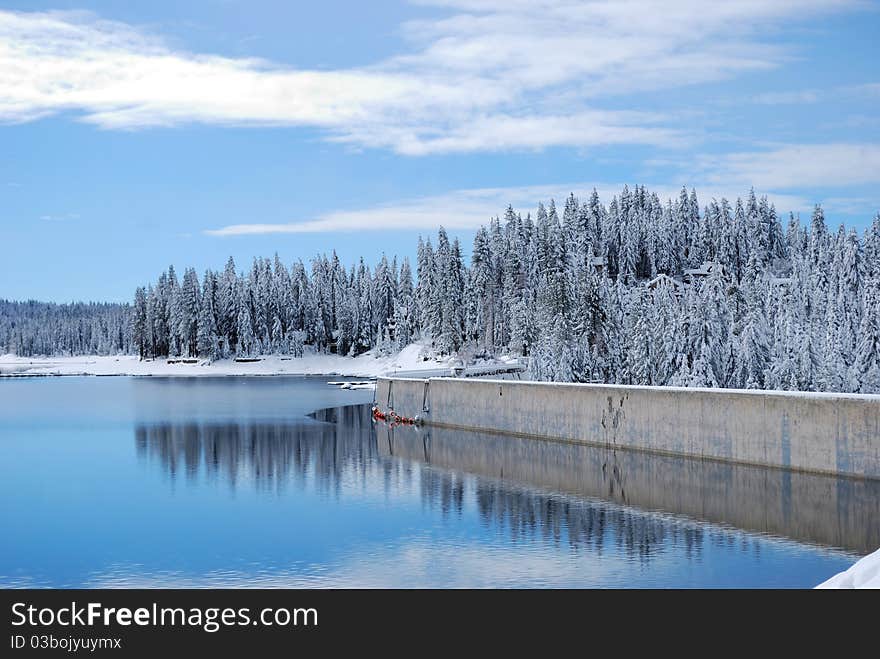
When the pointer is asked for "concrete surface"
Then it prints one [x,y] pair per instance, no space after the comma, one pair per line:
[823,433]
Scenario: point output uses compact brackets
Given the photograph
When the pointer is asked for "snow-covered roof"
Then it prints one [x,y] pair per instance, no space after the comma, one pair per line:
[664,280]
[597,261]
[703,271]
[780,281]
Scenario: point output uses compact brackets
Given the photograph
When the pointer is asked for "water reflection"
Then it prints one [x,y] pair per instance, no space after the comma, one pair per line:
[585,525]
[270,455]
[230,484]
[833,512]
[581,497]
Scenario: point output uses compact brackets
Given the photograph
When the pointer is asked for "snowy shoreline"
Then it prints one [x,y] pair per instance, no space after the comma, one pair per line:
[411,358]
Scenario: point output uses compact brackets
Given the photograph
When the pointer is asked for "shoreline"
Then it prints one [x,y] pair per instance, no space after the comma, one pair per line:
[132,367]
[414,359]
[13,376]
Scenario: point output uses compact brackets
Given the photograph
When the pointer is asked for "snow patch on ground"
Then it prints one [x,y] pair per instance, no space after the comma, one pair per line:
[415,357]
[865,573]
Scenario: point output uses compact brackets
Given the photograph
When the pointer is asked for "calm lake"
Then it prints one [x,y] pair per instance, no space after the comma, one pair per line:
[215,482]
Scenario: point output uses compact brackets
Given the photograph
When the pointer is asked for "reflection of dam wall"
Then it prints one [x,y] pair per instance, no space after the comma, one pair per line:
[828,433]
[806,507]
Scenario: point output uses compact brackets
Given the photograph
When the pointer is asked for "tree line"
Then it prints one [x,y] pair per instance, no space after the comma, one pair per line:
[634,292]
[45,328]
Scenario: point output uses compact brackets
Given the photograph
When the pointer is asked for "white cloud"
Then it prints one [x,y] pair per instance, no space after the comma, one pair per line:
[60,218]
[787,98]
[502,131]
[864,206]
[461,209]
[798,166]
[469,209]
[867,89]
[487,75]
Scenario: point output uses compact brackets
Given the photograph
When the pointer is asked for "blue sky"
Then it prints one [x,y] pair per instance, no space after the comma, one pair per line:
[136,135]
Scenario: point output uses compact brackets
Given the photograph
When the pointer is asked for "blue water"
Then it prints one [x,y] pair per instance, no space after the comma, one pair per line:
[155,482]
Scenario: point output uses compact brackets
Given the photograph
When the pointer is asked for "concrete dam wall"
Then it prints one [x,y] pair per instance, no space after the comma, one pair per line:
[824,433]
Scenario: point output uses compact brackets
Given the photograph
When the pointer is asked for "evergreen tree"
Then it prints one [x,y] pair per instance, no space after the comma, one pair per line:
[139,322]
[208,340]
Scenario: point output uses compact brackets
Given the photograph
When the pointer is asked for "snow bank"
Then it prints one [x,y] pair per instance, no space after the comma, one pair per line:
[865,573]
[412,358]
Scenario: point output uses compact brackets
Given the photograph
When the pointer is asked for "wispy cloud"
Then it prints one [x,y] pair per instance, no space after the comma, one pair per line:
[469,209]
[499,131]
[809,96]
[864,206]
[487,75]
[798,166]
[60,218]
[867,89]
[787,98]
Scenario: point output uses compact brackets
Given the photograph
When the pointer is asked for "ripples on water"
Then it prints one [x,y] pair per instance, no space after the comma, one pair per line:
[250,492]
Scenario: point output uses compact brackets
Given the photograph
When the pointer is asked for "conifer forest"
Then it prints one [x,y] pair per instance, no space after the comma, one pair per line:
[638,291]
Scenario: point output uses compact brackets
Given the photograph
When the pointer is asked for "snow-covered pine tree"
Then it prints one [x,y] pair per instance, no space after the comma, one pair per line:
[247,341]
[139,322]
[188,313]
[865,370]
[208,340]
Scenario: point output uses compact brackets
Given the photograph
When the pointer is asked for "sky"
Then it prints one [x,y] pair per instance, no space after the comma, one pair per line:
[138,135]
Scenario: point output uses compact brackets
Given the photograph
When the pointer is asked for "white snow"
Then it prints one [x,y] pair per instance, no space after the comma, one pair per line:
[415,357]
[865,573]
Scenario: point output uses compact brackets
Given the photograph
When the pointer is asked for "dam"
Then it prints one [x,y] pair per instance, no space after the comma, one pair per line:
[820,433]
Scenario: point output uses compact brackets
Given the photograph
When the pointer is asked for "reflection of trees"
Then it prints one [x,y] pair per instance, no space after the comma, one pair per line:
[268,454]
[526,515]
[509,471]
[339,444]
[524,489]
[591,525]
[443,490]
